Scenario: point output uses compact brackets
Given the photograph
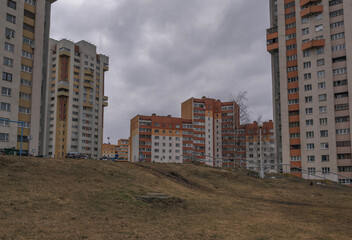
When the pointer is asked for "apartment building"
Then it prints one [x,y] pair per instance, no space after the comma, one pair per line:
[122,149]
[253,146]
[108,150]
[205,132]
[24,34]
[159,138]
[214,123]
[75,111]
[311,72]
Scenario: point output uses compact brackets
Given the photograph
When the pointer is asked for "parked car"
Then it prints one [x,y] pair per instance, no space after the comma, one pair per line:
[72,155]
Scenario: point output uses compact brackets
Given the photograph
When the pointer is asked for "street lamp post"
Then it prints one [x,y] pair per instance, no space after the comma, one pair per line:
[261,171]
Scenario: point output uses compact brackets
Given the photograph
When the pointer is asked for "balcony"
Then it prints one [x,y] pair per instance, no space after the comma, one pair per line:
[63,93]
[105,98]
[313,44]
[63,85]
[311,10]
[87,85]
[64,51]
[306,2]
[87,104]
[106,67]
[272,39]
[105,104]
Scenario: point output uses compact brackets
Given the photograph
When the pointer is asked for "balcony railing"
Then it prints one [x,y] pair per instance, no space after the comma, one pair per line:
[313,44]
[311,10]
[306,2]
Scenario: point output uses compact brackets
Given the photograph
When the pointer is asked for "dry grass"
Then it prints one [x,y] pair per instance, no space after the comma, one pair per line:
[86,199]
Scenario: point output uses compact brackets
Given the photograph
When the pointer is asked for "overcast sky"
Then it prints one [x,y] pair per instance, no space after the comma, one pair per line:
[163,52]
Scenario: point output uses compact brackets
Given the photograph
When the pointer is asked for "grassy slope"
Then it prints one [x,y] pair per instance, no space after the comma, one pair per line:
[85,199]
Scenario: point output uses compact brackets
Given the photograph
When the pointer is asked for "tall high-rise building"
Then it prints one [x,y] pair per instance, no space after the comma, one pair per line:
[75,99]
[309,42]
[214,125]
[24,35]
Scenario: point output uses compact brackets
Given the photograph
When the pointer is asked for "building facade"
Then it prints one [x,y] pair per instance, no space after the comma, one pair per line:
[158,138]
[214,124]
[122,149]
[108,151]
[253,147]
[311,72]
[205,133]
[75,111]
[24,39]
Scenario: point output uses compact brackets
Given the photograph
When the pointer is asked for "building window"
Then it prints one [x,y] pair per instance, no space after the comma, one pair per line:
[342,131]
[325,170]
[309,99]
[339,71]
[308,87]
[338,36]
[25,96]
[338,47]
[25,68]
[322,97]
[321,74]
[322,109]
[324,133]
[306,53]
[306,65]
[318,16]
[321,85]
[310,134]
[28,41]
[305,31]
[9,47]
[29,14]
[336,13]
[324,145]
[11,4]
[340,83]
[325,158]
[310,158]
[342,119]
[7,76]
[337,24]
[320,62]
[9,33]
[10,18]
[309,111]
[311,170]
[6,91]
[309,122]
[31,2]
[320,50]
[319,28]
[310,146]
[8,62]
[5,107]
[307,76]
[24,110]
[4,137]
[4,123]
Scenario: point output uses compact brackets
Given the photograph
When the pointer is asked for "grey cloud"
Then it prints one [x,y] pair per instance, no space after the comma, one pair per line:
[163,52]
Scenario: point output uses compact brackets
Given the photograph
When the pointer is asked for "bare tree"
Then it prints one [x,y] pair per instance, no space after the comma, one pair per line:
[241,99]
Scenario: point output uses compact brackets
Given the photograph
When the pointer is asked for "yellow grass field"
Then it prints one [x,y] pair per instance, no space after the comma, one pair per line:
[87,199]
